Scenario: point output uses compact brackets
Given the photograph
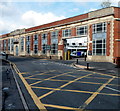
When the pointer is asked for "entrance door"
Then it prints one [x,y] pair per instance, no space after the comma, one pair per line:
[16,50]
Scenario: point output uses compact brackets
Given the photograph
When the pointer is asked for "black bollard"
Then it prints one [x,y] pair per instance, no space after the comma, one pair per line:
[85,57]
[87,66]
[77,61]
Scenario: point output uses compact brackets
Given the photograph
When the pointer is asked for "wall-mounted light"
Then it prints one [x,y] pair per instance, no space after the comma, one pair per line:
[108,23]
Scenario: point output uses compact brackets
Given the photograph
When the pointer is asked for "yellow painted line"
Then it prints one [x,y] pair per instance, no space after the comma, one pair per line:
[63,86]
[24,73]
[46,94]
[57,89]
[71,75]
[36,83]
[42,87]
[59,80]
[89,82]
[97,78]
[49,78]
[114,84]
[84,82]
[74,80]
[98,73]
[33,95]
[41,73]
[77,91]
[95,94]
[109,94]
[33,78]
[60,107]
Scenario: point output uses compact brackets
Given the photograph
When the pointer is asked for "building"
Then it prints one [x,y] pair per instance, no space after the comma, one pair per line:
[96,32]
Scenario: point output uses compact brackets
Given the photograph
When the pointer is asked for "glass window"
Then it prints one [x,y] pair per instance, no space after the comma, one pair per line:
[28,44]
[73,43]
[99,48]
[12,44]
[66,32]
[99,39]
[44,43]
[35,44]
[22,44]
[99,27]
[82,30]
[54,42]
[9,44]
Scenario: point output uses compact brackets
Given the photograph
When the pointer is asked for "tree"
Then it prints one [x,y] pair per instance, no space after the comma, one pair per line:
[105,4]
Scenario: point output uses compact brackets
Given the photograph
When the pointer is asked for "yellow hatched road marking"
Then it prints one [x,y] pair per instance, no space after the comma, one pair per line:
[61,107]
[98,78]
[33,95]
[63,86]
[33,78]
[99,73]
[41,73]
[49,78]
[74,80]
[84,82]
[78,91]
[95,94]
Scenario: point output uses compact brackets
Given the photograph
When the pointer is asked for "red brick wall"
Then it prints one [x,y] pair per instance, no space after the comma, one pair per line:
[31,46]
[2,45]
[39,42]
[90,37]
[79,17]
[73,33]
[117,12]
[116,50]
[60,47]
[49,38]
[6,44]
[108,40]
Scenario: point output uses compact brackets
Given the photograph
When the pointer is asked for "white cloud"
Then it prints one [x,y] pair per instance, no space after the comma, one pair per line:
[91,9]
[32,18]
[26,20]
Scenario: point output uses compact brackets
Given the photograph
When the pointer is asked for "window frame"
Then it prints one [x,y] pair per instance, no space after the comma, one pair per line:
[66,32]
[85,30]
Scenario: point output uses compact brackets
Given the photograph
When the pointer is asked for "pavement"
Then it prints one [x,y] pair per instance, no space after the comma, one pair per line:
[59,85]
[100,67]
[9,89]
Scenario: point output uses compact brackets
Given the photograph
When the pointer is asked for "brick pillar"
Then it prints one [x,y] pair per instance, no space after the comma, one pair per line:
[90,39]
[39,42]
[49,39]
[25,45]
[60,45]
[116,49]
[2,45]
[31,45]
[108,40]
[73,33]
[6,44]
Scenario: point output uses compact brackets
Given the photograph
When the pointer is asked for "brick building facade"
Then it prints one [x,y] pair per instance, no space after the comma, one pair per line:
[99,30]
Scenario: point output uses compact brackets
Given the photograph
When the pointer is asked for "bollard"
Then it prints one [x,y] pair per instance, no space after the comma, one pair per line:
[85,57]
[50,57]
[77,61]
[87,66]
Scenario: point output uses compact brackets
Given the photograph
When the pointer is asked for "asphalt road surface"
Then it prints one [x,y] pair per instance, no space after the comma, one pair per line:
[53,85]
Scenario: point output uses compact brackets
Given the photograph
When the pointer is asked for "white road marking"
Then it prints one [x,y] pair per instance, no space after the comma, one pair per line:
[112,89]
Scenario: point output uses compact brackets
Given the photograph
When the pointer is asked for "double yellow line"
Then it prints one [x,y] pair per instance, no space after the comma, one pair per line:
[29,89]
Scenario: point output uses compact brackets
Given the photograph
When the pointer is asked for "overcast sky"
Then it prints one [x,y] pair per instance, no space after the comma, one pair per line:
[15,14]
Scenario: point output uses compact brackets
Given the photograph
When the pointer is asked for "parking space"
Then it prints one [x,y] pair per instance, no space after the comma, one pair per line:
[79,89]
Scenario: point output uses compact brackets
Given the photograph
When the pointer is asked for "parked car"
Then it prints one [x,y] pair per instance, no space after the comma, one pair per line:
[3,53]
[77,54]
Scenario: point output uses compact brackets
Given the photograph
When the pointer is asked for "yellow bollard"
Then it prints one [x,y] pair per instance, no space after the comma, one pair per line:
[68,54]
